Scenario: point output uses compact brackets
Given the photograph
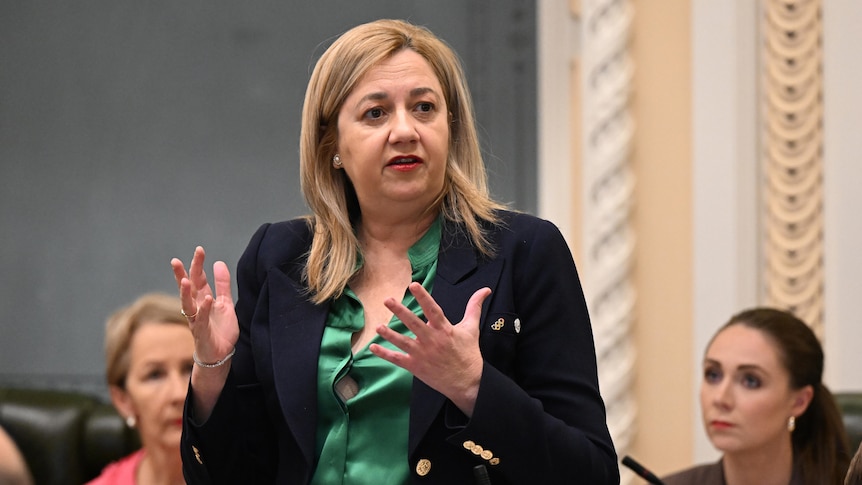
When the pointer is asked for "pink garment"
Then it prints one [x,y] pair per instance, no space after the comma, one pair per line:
[120,472]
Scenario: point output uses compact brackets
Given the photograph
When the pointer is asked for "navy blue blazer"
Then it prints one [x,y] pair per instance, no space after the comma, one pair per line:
[538,418]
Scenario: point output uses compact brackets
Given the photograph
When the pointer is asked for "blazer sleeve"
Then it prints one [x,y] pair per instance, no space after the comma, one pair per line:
[236,444]
[539,409]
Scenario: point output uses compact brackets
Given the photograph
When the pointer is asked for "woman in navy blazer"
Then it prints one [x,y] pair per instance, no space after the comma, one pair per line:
[485,350]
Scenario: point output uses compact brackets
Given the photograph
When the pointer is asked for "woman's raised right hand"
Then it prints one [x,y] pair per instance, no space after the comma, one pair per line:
[212,317]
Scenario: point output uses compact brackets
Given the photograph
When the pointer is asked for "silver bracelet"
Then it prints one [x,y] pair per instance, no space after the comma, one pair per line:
[214,364]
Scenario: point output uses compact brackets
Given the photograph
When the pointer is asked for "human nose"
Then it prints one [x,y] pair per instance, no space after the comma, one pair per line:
[178,386]
[403,128]
[722,394]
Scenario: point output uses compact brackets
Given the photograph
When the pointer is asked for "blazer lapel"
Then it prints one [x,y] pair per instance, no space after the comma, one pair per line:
[296,328]
[459,275]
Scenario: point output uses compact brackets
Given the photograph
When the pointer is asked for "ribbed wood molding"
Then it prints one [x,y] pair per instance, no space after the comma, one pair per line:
[793,158]
[607,194]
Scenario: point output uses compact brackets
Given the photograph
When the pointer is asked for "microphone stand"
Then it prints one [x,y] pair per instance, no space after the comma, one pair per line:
[641,471]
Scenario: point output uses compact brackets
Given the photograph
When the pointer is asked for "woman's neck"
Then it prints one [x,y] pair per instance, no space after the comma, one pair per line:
[393,235]
[772,466]
[160,467]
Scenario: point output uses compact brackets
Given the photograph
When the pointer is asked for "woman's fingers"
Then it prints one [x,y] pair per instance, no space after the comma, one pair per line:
[179,270]
[221,275]
[473,311]
[200,325]
[403,342]
[404,314]
[438,325]
[433,313]
[189,305]
[196,269]
[444,356]
[193,286]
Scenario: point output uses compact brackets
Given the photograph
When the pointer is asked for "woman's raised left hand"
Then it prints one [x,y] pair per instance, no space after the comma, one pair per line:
[442,355]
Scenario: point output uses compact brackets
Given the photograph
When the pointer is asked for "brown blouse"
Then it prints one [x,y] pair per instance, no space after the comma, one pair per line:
[712,474]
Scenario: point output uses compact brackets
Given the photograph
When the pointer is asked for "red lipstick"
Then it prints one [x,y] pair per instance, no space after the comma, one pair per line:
[404,163]
[720,424]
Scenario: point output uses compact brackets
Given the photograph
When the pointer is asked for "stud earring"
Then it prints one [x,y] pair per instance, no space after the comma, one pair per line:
[131,421]
[791,423]
[336,161]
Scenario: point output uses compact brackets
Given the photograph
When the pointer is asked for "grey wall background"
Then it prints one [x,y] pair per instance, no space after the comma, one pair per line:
[132,131]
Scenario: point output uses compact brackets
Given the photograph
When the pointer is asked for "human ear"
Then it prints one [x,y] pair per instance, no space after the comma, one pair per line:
[802,399]
[122,402]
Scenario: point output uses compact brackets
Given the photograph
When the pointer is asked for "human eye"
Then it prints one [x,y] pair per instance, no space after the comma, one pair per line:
[712,375]
[374,113]
[751,381]
[154,374]
[425,107]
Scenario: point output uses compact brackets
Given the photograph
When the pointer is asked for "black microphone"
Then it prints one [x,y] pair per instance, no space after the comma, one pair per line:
[641,471]
[480,473]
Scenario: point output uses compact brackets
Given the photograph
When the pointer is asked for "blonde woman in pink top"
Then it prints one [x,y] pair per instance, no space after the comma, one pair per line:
[148,349]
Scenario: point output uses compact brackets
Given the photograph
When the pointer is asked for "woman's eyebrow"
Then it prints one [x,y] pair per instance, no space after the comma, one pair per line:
[751,367]
[420,91]
[382,95]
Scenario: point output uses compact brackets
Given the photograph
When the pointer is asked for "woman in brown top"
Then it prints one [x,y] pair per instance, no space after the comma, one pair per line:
[765,407]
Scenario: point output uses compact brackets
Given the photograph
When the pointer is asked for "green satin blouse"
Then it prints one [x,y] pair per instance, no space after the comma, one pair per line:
[363,400]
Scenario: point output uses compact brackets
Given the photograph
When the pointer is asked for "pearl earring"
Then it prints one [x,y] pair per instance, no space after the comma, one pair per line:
[131,421]
[336,161]
[791,424]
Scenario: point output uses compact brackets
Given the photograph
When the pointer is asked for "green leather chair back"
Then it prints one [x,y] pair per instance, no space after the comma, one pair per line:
[66,437]
[850,404]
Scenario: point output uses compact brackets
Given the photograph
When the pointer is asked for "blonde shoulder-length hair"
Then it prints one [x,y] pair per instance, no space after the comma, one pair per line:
[121,326]
[465,199]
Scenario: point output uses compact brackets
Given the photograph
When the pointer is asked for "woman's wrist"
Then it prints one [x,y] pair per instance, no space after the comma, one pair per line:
[217,363]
